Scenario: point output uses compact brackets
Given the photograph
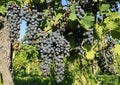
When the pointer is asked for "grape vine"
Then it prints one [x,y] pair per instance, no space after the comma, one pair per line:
[56,31]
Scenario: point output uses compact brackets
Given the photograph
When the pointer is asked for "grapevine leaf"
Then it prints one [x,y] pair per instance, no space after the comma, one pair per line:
[87,21]
[117,49]
[20,3]
[104,7]
[58,16]
[99,30]
[110,21]
[115,34]
[46,12]
[72,41]
[72,8]
[72,14]
[111,25]
[83,78]
[41,1]
[90,54]
[77,80]
[27,1]
[2,9]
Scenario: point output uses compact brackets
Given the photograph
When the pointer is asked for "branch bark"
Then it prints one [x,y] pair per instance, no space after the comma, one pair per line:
[5,54]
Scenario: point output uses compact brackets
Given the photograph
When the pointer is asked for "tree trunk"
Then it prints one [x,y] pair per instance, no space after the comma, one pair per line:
[5,54]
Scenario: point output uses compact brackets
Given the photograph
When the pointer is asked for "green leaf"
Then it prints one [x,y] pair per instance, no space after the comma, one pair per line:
[117,49]
[46,12]
[72,41]
[41,1]
[2,9]
[20,3]
[58,16]
[104,7]
[72,14]
[87,21]
[115,34]
[72,8]
[48,26]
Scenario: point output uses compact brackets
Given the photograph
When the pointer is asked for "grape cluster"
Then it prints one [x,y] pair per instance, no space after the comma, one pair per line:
[105,59]
[45,50]
[113,7]
[110,42]
[61,50]
[88,37]
[79,51]
[104,62]
[56,47]
[25,13]
[79,11]
[32,18]
[41,37]
[14,21]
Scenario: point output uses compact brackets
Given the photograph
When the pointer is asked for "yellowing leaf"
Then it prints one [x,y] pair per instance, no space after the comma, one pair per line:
[76,83]
[26,1]
[90,54]
[110,21]
[83,79]
[111,25]
[117,49]
[99,30]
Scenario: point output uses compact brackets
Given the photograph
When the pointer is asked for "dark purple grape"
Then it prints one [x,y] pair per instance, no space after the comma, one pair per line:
[14,20]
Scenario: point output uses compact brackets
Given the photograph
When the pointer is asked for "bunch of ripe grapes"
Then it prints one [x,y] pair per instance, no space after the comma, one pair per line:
[14,21]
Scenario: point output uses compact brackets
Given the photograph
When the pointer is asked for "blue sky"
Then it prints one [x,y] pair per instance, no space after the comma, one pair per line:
[23,24]
[22,29]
